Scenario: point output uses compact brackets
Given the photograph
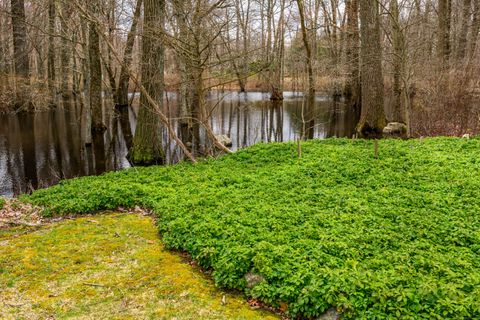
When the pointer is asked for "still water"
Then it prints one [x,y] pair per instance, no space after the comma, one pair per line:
[38,150]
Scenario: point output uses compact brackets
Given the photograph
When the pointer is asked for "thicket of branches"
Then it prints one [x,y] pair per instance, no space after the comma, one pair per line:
[426,56]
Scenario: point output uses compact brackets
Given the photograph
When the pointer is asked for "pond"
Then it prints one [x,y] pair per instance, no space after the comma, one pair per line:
[38,150]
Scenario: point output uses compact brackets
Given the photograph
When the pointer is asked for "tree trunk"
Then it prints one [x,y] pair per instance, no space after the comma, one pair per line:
[276,66]
[95,74]
[147,144]
[475,28]
[122,90]
[352,90]
[51,47]
[65,50]
[22,68]
[372,118]
[462,38]
[308,49]
[399,112]
[186,75]
[443,45]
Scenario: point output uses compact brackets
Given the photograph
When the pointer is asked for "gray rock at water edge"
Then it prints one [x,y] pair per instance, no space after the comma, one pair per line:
[395,130]
[330,314]
[224,139]
[253,279]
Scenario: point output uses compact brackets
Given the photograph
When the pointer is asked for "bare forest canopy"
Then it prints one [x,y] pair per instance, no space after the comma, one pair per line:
[415,62]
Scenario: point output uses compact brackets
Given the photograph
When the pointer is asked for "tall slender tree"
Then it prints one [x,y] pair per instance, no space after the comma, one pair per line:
[399,111]
[474,33]
[308,48]
[21,62]
[122,88]
[462,37]
[444,26]
[95,72]
[51,46]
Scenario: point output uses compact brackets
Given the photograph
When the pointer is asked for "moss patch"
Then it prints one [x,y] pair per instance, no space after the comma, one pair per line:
[106,267]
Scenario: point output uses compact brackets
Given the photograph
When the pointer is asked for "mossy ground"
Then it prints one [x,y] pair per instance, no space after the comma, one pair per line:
[105,267]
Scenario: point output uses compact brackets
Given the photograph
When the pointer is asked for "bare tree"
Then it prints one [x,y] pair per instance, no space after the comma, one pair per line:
[147,146]
[372,119]
[22,67]
[308,48]
[96,100]
[444,26]
[352,89]
[51,45]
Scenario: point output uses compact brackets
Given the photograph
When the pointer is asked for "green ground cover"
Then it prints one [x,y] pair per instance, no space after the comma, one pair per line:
[107,267]
[397,236]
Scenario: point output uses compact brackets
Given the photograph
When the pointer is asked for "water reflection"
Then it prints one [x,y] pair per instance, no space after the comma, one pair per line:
[38,150]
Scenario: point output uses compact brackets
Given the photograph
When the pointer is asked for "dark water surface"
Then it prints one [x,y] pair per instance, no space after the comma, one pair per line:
[39,150]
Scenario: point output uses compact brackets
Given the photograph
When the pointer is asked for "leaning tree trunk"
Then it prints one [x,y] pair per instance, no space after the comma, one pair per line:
[95,74]
[22,68]
[147,144]
[372,118]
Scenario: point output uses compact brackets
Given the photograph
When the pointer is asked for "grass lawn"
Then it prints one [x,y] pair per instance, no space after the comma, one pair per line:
[107,267]
[396,236]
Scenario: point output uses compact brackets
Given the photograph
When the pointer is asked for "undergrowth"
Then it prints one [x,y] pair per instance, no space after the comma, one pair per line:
[95,268]
[392,236]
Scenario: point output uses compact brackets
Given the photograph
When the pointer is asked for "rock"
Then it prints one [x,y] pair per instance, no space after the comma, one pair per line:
[331,314]
[253,279]
[395,130]
[466,136]
[224,139]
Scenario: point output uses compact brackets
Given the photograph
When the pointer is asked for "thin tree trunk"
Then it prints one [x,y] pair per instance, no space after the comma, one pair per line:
[66,50]
[308,49]
[277,57]
[21,63]
[443,46]
[95,74]
[462,38]
[475,28]
[399,113]
[122,90]
[51,47]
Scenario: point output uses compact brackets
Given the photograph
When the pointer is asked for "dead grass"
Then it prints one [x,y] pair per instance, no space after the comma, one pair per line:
[105,267]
